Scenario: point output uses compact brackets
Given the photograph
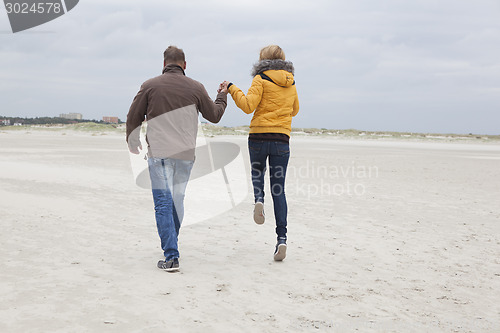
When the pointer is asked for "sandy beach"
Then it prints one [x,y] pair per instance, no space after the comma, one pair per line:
[384,236]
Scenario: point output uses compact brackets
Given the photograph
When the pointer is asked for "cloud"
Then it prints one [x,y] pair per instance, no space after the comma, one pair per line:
[392,65]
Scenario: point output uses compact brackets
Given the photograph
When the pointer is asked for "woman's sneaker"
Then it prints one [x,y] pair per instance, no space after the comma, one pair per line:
[280,252]
[170,266]
[258,213]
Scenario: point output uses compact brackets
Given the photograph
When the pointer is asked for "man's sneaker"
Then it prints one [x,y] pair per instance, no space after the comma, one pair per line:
[258,213]
[280,252]
[170,266]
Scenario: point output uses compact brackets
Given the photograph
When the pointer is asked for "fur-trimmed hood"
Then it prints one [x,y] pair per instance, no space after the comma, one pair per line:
[276,64]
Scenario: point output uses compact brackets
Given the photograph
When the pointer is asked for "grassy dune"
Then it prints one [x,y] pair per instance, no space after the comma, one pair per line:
[353,133]
[214,130]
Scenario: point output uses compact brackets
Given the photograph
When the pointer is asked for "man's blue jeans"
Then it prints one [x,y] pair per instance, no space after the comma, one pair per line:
[278,154]
[169,179]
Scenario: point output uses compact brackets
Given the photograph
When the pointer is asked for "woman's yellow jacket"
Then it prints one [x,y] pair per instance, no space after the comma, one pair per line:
[272,95]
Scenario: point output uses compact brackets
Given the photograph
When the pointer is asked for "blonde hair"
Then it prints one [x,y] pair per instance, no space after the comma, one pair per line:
[272,52]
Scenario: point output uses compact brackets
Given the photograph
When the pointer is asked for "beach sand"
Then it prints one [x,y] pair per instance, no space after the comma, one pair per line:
[384,236]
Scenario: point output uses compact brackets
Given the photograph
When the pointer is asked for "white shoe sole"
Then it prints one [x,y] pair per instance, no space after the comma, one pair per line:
[281,254]
[171,270]
[258,213]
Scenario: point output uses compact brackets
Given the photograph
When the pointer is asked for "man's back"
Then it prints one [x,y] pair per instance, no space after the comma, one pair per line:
[170,103]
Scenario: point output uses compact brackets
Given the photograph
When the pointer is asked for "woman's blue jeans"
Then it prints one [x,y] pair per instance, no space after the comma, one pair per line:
[169,179]
[278,154]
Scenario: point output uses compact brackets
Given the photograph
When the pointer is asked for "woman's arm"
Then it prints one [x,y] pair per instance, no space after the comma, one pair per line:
[295,105]
[249,102]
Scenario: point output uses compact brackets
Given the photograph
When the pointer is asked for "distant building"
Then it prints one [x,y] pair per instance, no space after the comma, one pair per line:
[5,122]
[110,120]
[73,116]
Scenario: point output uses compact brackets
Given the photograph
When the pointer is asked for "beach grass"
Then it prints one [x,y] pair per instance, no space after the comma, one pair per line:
[216,130]
[87,127]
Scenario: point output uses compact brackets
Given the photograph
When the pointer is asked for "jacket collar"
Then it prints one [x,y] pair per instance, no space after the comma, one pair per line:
[277,64]
[173,68]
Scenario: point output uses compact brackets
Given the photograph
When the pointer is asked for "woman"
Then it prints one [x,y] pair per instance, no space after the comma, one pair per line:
[274,99]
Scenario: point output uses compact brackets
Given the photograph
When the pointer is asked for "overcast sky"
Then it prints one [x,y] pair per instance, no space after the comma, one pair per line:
[421,65]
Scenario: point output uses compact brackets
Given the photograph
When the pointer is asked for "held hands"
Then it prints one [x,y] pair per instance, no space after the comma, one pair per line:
[223,87]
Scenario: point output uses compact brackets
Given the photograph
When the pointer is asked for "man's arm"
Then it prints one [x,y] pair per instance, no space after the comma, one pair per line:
[212,111]
[135,117]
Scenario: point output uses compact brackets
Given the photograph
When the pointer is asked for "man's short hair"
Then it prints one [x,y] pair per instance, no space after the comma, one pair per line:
[173,55]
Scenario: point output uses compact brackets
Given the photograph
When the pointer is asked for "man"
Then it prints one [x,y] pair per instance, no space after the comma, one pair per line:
[170,103]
